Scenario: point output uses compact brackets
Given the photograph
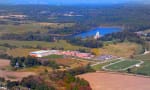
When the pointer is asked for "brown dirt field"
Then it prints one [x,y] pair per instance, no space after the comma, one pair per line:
[4,63]
[73,63]
[11,75]
[14,76]
[115,81]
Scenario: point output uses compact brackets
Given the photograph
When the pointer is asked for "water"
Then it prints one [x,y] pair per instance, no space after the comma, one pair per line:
[103,31]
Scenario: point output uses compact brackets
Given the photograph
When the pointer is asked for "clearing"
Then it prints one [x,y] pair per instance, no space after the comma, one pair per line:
[125,49]
[121,65]
[116,81]
[11,75]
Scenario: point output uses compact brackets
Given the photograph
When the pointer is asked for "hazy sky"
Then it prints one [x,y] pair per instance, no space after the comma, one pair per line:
[69,1]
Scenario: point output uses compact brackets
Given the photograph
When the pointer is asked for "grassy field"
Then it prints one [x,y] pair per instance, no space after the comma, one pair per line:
[31,27]
[144,69]
[142,57]
[18,29]
[122,65]
[121,49]
[36,69]
[55,25]
[99,66]
[57,45]
[53,56]
[20,52]
[72,63]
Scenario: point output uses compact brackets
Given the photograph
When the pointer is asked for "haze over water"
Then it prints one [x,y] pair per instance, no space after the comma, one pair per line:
[71,2]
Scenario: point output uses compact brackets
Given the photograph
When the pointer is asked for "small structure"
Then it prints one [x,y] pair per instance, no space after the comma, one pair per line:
[97,36]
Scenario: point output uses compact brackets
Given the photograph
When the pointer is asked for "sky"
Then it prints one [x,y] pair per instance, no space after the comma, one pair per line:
[70,1]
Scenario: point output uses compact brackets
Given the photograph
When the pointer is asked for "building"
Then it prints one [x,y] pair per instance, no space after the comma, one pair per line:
[78,54]
[97,36]
[43,53]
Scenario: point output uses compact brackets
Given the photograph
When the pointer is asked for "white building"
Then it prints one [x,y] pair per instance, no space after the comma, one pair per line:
[43,53]
[97,36]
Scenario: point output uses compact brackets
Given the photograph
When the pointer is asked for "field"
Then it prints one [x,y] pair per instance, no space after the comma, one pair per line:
[145,67]
[19,29]
[59,44]
[120,49]
[55,25]
[20,52]
[11,75]
[121,65]
[71,63]
[53,57]
[116,81]
[142,57]
[31,27]
[36,69]
[99,66]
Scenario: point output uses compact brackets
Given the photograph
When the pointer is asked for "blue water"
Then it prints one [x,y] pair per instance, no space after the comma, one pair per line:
[103,31]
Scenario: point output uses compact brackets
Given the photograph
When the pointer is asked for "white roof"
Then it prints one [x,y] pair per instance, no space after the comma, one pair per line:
[39,52]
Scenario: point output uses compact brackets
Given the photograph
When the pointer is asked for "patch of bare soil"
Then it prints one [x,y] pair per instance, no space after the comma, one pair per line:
[114,81]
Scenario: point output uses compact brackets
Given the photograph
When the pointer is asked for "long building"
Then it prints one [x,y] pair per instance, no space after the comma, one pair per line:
[43,53]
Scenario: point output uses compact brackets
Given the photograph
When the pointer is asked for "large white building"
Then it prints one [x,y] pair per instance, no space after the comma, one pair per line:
[43,53]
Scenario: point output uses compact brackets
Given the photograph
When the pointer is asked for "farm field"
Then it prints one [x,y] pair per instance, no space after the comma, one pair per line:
[20,29]
[143,70]
[121,65]
[31,27]
[125,49]
[59,44]
[142,57]
[99,66]
[53,57]
[11,75]
[116,81]
[72,63]
[20,52]
[36,69]
[145,67]
[55,25]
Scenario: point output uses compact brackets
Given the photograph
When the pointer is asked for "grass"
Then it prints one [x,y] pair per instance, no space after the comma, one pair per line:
[19,29]
[31,27]
[125,49]
[143,70]
[57,45]
[3,48]
[36,69]
[55,25]
[99,66]
[20,52]
[143,57]
[122,65]
[53,56]
[11,77]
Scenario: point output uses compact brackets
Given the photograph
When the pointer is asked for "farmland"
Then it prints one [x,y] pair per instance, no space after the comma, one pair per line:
[20,52]
[34,44]
[120,49]
[20,29]
[31,27]
[121,65]
[116,81]
[11,75]
[99,66]
[24,47]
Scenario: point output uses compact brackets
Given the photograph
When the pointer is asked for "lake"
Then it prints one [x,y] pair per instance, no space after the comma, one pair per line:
[103,31]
